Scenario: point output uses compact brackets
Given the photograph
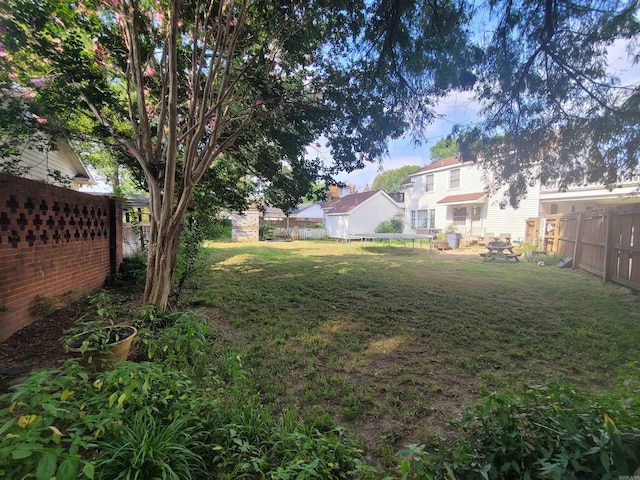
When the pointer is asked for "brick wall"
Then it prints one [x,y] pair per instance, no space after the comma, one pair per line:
[52,240]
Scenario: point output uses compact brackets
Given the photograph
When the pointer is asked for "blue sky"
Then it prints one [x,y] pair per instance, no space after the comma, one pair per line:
[458,108]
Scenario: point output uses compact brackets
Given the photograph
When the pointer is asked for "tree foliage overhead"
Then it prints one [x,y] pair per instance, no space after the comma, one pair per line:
[554,108]
[391,180]
[219,96]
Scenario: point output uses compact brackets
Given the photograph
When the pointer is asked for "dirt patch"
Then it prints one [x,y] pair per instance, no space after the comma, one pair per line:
[37,346]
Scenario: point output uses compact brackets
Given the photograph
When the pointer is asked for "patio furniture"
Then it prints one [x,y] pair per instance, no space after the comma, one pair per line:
[488,238]
[500,250]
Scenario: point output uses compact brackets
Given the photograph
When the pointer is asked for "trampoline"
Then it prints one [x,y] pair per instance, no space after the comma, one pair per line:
[388,237]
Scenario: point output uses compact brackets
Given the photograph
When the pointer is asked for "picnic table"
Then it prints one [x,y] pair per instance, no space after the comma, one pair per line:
[500,250]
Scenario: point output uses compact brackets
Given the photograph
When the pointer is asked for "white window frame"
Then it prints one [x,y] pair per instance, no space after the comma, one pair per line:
[428,183]
[454,178]
[425,218]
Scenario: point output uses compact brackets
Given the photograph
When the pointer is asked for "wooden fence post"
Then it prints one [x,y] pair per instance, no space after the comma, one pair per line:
[575,245]
[607,244]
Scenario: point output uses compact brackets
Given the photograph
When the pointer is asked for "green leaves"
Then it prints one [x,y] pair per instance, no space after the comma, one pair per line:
[546,432]
[554,106]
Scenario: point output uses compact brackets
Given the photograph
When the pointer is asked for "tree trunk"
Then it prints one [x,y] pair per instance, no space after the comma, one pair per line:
[161,262]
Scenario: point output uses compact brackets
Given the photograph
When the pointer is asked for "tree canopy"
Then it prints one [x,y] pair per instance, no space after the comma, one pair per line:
[446,147]
[391,180]
[229,91]
[554,107]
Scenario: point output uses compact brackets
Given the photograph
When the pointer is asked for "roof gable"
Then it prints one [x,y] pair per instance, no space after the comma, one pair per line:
[441,163]
[349,202]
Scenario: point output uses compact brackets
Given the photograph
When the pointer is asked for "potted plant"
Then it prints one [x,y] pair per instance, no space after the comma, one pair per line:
[100,345]
[453,237]
[103,346]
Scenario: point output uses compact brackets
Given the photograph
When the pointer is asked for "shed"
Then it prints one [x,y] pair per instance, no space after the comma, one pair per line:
[359,213]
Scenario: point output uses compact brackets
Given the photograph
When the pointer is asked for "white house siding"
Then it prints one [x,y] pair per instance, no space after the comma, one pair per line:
[337,225]
[314,211]
[508,219]
[362,219]
[366,217]
[583,198]
[416,198]
[493,219]
[41,164]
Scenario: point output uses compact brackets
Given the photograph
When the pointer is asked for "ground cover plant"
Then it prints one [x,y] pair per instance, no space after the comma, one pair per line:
[318,360]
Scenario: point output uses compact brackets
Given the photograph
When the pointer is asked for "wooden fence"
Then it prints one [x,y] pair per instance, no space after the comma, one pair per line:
[602,242]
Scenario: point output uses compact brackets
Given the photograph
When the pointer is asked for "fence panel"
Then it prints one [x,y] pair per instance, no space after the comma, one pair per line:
[532,230]
[135,237]
[621,265]
[566,233]
[301,233]
[592,243]
[602,242]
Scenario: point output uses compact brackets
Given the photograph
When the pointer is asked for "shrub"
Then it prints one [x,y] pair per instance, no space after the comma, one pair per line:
[219,229]
[393,225]
[133,270]
[178,339]
[55,417]
[46,427]
[546,432]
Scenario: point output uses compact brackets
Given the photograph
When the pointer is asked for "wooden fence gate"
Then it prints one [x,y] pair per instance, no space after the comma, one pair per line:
[602,242]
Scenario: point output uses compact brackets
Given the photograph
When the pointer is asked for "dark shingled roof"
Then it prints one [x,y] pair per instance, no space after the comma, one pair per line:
[348,203]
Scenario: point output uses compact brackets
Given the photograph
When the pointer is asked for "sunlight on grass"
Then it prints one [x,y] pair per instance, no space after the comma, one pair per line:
[407,338]
[385,346]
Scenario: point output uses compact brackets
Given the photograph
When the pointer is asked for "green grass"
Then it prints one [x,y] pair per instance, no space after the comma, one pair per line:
[391,343]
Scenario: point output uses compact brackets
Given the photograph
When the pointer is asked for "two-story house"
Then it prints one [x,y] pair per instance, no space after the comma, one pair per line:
[449,191]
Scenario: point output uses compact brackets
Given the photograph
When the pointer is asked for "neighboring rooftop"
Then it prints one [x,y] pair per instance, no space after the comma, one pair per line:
[348,203]
[443,162]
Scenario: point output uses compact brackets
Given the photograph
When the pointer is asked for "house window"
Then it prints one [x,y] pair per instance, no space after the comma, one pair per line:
[423,218]
[554,208]
[428,180]
[476,213]
[460,216]
[454,178]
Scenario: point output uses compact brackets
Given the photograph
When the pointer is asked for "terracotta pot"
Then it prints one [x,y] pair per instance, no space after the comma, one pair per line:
[113,352]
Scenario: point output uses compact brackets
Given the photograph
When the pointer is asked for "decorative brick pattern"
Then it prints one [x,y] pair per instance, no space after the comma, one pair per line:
[52,240]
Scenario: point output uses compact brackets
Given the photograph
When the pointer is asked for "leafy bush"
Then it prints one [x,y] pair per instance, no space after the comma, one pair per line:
[551,432]
[133,270]
[55,418]
[246,441]
[393,225]
[219,229]
[178,339]
[149,448]
[46,428]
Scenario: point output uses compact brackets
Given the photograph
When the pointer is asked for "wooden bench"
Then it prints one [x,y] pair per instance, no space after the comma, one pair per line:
[442,245]
[514,256]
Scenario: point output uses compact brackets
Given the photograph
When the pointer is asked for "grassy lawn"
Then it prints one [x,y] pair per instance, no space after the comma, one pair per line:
[391,344]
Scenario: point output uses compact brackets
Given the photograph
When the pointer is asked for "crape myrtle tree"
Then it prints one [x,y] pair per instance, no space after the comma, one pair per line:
[554,107]
[209,97]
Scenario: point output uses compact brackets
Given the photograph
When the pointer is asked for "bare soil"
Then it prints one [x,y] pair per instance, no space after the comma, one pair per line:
[40,345]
